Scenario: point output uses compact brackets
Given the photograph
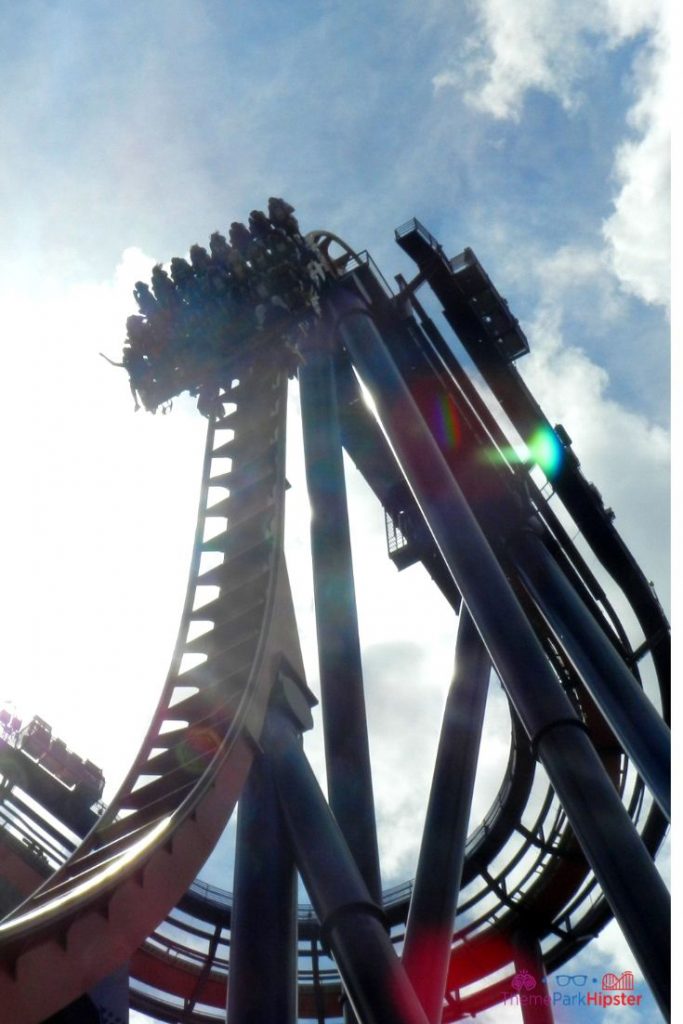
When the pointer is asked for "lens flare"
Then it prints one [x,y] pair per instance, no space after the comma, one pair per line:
[197,749]
[446,426]
[543,447]
[546,450]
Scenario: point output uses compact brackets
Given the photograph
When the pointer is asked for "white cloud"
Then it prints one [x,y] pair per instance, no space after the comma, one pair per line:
[567,275]
[545,44]
[550,46]
[637,232]
[516,47]
[626,18]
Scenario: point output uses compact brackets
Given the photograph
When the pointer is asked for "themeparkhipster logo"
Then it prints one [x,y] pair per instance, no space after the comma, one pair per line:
[573,990]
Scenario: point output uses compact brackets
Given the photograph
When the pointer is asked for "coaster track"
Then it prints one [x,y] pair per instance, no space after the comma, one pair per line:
[142,857]
[177,797]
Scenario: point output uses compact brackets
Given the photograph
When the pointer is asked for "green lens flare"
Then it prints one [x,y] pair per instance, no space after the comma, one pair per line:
[546,451]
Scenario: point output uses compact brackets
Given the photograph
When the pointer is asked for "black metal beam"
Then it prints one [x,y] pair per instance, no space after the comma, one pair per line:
[621,863]
[535,1001]
[643,734]
[579,496]
[351,921]
[429,931]
[262,985]
[347,752]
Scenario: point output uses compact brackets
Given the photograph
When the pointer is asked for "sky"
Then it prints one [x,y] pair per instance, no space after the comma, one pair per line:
[535,132]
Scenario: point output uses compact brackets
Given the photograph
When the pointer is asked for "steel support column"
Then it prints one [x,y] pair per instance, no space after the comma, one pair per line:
[347,752]
[643,734]
[535,1003]
[622,865]
[352,923]
[262,986]
[429,931]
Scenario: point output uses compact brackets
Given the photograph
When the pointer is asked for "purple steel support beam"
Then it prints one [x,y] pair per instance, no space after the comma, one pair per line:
[615,851]
[535,1002]
[263,949]
[347,752]
[429,931]
[643,734]
[351,921]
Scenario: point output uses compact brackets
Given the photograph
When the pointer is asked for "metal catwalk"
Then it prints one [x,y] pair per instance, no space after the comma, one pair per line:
[529,892]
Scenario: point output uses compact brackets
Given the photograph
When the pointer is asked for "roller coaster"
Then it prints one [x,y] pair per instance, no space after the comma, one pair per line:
[434,426]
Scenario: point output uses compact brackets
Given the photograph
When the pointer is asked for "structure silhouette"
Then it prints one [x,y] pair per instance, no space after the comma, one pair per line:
[536,880]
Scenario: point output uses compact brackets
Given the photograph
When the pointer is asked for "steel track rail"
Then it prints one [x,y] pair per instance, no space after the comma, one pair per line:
[137,862]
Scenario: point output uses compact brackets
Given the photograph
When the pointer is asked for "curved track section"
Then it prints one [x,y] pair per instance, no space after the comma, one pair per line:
[172,807]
